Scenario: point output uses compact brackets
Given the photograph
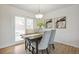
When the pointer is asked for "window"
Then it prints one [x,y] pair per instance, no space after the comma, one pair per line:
[19,27]
[29,24]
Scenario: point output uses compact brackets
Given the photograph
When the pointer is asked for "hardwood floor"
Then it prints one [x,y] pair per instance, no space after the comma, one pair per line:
[59,49]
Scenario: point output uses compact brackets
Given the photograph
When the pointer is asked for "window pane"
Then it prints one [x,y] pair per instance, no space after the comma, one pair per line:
[19,27]
[29,24]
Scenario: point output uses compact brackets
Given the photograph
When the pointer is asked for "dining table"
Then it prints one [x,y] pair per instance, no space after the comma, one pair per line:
[32,37]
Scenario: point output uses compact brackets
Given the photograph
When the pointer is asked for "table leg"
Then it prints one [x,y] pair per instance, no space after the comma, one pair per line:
[25,44]
[36,47]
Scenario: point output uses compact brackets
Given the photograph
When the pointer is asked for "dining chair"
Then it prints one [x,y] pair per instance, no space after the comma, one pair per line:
[51,41]
[43,44]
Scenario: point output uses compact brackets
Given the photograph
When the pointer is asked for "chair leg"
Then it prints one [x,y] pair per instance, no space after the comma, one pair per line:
[53,46]
[47,51]
[32,50]
[42,51]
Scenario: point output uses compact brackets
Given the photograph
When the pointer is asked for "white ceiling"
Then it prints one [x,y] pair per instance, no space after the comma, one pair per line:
[44,8]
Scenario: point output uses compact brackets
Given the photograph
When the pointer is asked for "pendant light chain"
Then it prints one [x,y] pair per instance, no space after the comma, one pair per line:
[39,15]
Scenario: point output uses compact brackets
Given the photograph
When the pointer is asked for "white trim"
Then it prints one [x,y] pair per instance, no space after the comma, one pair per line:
[18,42]
[67,43]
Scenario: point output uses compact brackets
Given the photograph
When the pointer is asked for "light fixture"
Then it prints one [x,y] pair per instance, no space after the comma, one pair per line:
[39,15]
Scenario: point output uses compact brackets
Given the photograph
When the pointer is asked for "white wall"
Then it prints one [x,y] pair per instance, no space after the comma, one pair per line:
[70,35]
[7,15]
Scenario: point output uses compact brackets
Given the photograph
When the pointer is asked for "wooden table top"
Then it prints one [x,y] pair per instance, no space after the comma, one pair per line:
[32,35]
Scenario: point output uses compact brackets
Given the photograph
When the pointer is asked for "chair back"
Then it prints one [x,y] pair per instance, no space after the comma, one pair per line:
[45,40]
[53,32]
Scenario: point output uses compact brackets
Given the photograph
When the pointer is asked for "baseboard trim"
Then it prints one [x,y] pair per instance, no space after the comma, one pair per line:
[12,44]
[19,42]
[67,43]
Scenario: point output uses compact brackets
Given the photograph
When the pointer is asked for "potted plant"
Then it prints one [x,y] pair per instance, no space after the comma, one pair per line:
[40,24]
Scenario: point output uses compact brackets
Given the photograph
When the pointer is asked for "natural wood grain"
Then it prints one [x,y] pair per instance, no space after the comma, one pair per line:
[59,49]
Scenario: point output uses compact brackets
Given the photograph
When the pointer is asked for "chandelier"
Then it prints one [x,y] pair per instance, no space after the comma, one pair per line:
[39,15]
